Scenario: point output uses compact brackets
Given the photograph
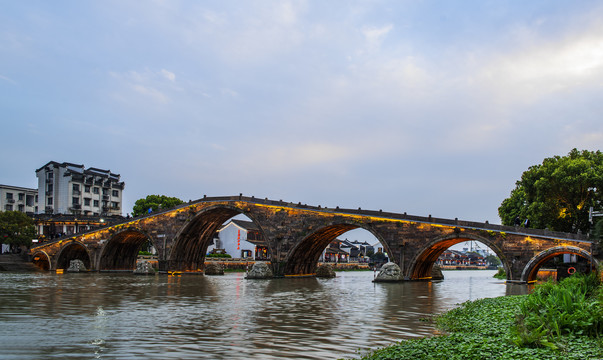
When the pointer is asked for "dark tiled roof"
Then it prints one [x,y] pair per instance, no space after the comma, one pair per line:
[247,225]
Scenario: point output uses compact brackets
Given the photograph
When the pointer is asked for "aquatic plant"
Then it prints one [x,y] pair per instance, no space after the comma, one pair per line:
[556,321]
[573,306]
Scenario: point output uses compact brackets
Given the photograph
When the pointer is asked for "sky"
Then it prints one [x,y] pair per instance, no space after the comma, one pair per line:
[425,107]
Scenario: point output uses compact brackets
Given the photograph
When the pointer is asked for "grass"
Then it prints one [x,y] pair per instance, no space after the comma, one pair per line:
[500,274]
[556,321]
[234,270]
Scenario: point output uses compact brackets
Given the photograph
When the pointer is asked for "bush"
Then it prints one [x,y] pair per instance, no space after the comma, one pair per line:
[216,255]
[572,307]
[501,274]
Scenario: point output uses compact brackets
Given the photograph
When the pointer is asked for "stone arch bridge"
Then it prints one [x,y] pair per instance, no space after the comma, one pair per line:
[297,234]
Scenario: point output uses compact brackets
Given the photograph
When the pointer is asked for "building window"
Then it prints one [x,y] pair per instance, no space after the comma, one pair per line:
[49,187]
[115,193]
[9,207]
[86,202]
[105,192]
[21,207]
[76,187]
[114,205]
[95,203]
[75,201]
[49,201]
[36,198]
[9,196]
[87,188]
[96,190]
[21,196]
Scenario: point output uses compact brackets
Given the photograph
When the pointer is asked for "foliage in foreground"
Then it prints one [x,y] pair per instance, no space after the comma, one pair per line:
[488,329]
[572,307]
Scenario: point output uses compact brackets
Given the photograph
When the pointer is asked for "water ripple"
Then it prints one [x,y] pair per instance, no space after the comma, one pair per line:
[109,316]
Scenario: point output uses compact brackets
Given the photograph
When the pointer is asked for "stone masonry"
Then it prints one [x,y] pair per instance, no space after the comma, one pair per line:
[297,234]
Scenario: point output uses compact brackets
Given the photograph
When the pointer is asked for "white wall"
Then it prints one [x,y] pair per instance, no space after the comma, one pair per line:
[228,238]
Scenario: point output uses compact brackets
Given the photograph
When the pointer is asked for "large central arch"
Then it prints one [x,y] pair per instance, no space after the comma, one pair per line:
[303,259]
[422,264]
[191,243]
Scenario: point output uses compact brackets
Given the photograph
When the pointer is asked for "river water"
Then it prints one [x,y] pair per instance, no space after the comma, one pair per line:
[122,316]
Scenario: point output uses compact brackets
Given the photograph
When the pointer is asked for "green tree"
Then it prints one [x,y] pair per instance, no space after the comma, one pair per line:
[558,193]
[493,260]
[154,202]
[16,228]
[598,231]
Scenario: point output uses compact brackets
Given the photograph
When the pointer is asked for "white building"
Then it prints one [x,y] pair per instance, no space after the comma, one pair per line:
[240,239]
[15,198]
[66,188]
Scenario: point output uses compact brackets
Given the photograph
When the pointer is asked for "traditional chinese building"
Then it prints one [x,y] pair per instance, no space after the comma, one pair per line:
[240,239]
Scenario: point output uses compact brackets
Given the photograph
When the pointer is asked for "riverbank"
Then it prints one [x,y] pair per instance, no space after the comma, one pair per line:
[511,327]
[16,263]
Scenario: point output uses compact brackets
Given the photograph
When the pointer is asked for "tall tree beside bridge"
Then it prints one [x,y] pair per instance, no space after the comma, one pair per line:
[16,228]
[154,202]
[558,193]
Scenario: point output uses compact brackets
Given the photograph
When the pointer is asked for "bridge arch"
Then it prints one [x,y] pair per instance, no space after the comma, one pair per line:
[191,242]
[121,250]
[303,258]
[531,269]
[41,260]
[422,264]
[73,250]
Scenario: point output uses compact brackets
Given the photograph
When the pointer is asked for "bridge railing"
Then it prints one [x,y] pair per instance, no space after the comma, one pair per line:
[404,216]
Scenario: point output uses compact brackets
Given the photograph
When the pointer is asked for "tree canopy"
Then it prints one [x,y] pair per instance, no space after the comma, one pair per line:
[492,260]
[558,193]
[16,228]
[154,202]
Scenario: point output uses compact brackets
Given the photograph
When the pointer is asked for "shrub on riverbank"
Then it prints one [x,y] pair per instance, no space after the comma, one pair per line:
[218,255]
[490,328]
[572,307]
[500,274]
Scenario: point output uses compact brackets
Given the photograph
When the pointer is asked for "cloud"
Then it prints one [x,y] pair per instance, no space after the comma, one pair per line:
[155,86]
[585,140]
[229,92]
[168,75]
[295,158]
[151,92]
[546,66]
[375,35]
[7,79]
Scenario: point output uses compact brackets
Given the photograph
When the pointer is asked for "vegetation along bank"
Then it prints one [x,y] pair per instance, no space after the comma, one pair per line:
[556,321]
